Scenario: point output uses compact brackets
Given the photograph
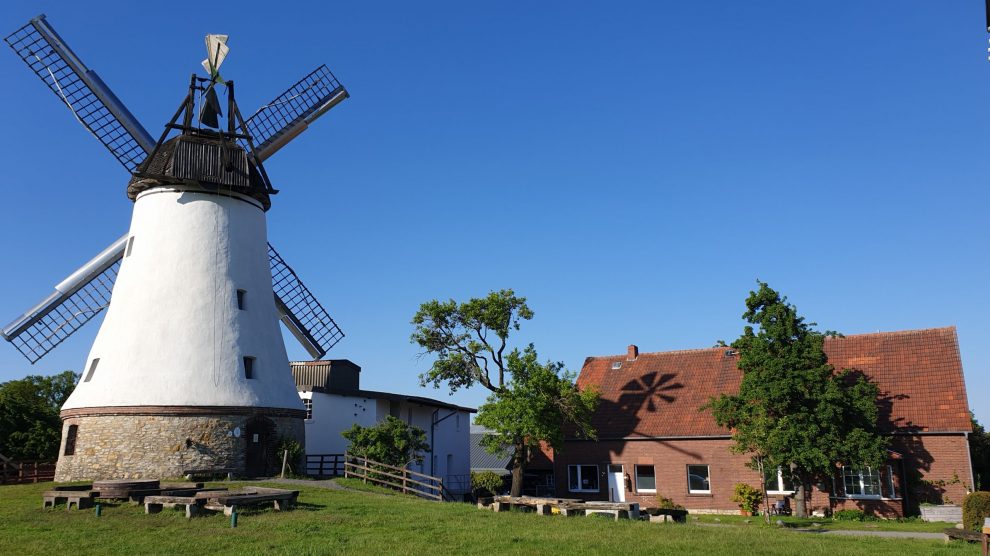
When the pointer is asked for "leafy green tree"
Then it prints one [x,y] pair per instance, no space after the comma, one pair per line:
[391,441]
[530,402]
[979,449]
[30,427]
[793,410]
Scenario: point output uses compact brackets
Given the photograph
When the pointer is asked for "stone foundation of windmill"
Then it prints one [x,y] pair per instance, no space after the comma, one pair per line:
[136,446]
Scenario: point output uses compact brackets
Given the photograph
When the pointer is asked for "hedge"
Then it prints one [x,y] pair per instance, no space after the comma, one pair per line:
[976,508]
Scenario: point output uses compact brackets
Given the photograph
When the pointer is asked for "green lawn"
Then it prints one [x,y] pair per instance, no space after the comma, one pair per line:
[330,521]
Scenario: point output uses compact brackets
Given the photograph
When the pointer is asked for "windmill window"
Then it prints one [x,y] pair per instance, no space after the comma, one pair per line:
[249,367]
[241,294]
[92,369]
[308,402]
[70,440]
[582,478]
[130,247]
[698,479]
[646,478]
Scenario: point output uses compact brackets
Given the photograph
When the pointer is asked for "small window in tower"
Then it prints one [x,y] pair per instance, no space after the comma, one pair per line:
[308,402]
[249,367]
[92,369]
[70,440]
[240,299]
[130,246]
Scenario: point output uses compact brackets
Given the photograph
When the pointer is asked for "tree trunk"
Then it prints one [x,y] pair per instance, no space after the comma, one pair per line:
[800,494]
[518,466]
[763,487]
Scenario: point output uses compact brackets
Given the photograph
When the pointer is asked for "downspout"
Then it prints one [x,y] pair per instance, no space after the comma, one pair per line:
[969,458]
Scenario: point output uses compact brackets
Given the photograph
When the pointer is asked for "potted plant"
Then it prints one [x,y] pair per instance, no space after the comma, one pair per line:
[747,497]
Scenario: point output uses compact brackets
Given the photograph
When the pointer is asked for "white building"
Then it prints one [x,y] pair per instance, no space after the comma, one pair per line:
[334,401]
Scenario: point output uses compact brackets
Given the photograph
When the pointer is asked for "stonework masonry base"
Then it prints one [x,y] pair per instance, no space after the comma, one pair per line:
[160,446]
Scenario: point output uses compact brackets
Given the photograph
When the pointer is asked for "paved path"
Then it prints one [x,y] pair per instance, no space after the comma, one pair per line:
[889,534]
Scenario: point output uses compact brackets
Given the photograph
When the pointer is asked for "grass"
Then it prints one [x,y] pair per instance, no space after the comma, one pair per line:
[331,521]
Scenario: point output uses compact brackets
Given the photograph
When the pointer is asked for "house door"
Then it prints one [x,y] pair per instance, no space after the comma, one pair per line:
[260,433]
[616,484]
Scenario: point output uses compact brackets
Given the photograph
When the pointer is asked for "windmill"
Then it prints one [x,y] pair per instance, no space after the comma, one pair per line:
[189,369]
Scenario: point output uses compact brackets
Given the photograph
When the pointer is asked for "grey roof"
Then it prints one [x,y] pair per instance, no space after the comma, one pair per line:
[481,459]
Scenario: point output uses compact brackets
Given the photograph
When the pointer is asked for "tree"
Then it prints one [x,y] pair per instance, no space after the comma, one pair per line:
[30,426]
[979,449]
[793,410]
[538,400]
[530,402]
[391,441]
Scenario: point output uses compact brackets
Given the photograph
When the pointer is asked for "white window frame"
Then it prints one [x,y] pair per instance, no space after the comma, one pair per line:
[308,404]
[577,468]
[780,485]
[636,478]
[858,472]
[890,483]
[688,470]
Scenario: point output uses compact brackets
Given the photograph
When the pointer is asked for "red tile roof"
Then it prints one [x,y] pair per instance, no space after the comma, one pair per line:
[919,373]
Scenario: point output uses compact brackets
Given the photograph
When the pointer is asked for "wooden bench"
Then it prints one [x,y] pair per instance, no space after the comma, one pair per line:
[219,472]
[252,496]
[81,498]
[192,504]
[618,510]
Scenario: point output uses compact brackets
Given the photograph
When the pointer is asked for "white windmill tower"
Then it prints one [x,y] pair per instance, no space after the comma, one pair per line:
[188,370]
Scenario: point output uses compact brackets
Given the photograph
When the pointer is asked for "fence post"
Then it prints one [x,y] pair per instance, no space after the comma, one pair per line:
[440,488]
[405,474]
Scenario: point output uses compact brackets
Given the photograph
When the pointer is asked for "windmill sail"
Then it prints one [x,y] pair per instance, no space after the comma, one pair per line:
[290,113]
[82,91]
[86,292]
[79,298]
[302,314]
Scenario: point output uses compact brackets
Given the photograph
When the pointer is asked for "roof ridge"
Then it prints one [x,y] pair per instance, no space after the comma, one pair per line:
[951,328]
[642,353]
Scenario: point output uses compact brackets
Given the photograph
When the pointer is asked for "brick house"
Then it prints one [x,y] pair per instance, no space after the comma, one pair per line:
[652,438]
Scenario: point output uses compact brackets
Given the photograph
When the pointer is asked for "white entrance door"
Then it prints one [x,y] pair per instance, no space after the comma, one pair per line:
[616,484]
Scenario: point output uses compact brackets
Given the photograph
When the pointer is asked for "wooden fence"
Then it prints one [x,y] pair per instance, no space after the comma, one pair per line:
[398,478]
[20,472]
[325,465]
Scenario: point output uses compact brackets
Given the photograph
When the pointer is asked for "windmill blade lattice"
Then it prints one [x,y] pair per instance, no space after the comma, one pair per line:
[301,313]
[82,91]
[78,299]
[289,114]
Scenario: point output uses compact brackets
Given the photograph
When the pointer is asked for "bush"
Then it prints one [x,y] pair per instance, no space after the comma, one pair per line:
[747,497]
[486,483]
[849,515]
[976,508]
[665,503]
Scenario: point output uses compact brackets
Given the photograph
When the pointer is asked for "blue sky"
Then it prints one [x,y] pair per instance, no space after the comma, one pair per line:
[630,167]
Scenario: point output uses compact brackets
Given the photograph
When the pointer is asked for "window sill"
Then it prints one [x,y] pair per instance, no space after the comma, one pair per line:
[865,498]
[701,494]
[780,492]
[583,490]
[646,491]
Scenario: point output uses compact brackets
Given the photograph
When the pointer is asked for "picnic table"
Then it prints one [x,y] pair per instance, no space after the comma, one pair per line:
[566,506]
[229,501]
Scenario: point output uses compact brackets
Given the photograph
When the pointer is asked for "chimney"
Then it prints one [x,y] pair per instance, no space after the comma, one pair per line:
[633,353]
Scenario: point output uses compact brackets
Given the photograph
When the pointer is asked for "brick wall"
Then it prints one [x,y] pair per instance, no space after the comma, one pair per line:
[933,458]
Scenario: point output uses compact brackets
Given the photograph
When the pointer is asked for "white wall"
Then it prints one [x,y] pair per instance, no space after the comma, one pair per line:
[173,334]
[333,414]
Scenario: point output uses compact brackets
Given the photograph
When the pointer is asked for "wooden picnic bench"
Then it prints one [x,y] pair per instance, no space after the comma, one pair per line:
[81,498]
[192,504]
[223,472]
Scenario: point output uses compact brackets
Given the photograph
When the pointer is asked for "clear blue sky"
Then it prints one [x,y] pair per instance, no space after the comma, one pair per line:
[631,168]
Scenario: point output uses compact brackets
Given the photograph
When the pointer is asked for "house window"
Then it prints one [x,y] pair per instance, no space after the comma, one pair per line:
[393,409]
[582,478]
[308,402]
[249,367]
[861,482]
[646,478]
[130,247]
[891,491]
[777,482]
[241,294]
[698,482]
[70,440]
[408,415]
[92,369]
